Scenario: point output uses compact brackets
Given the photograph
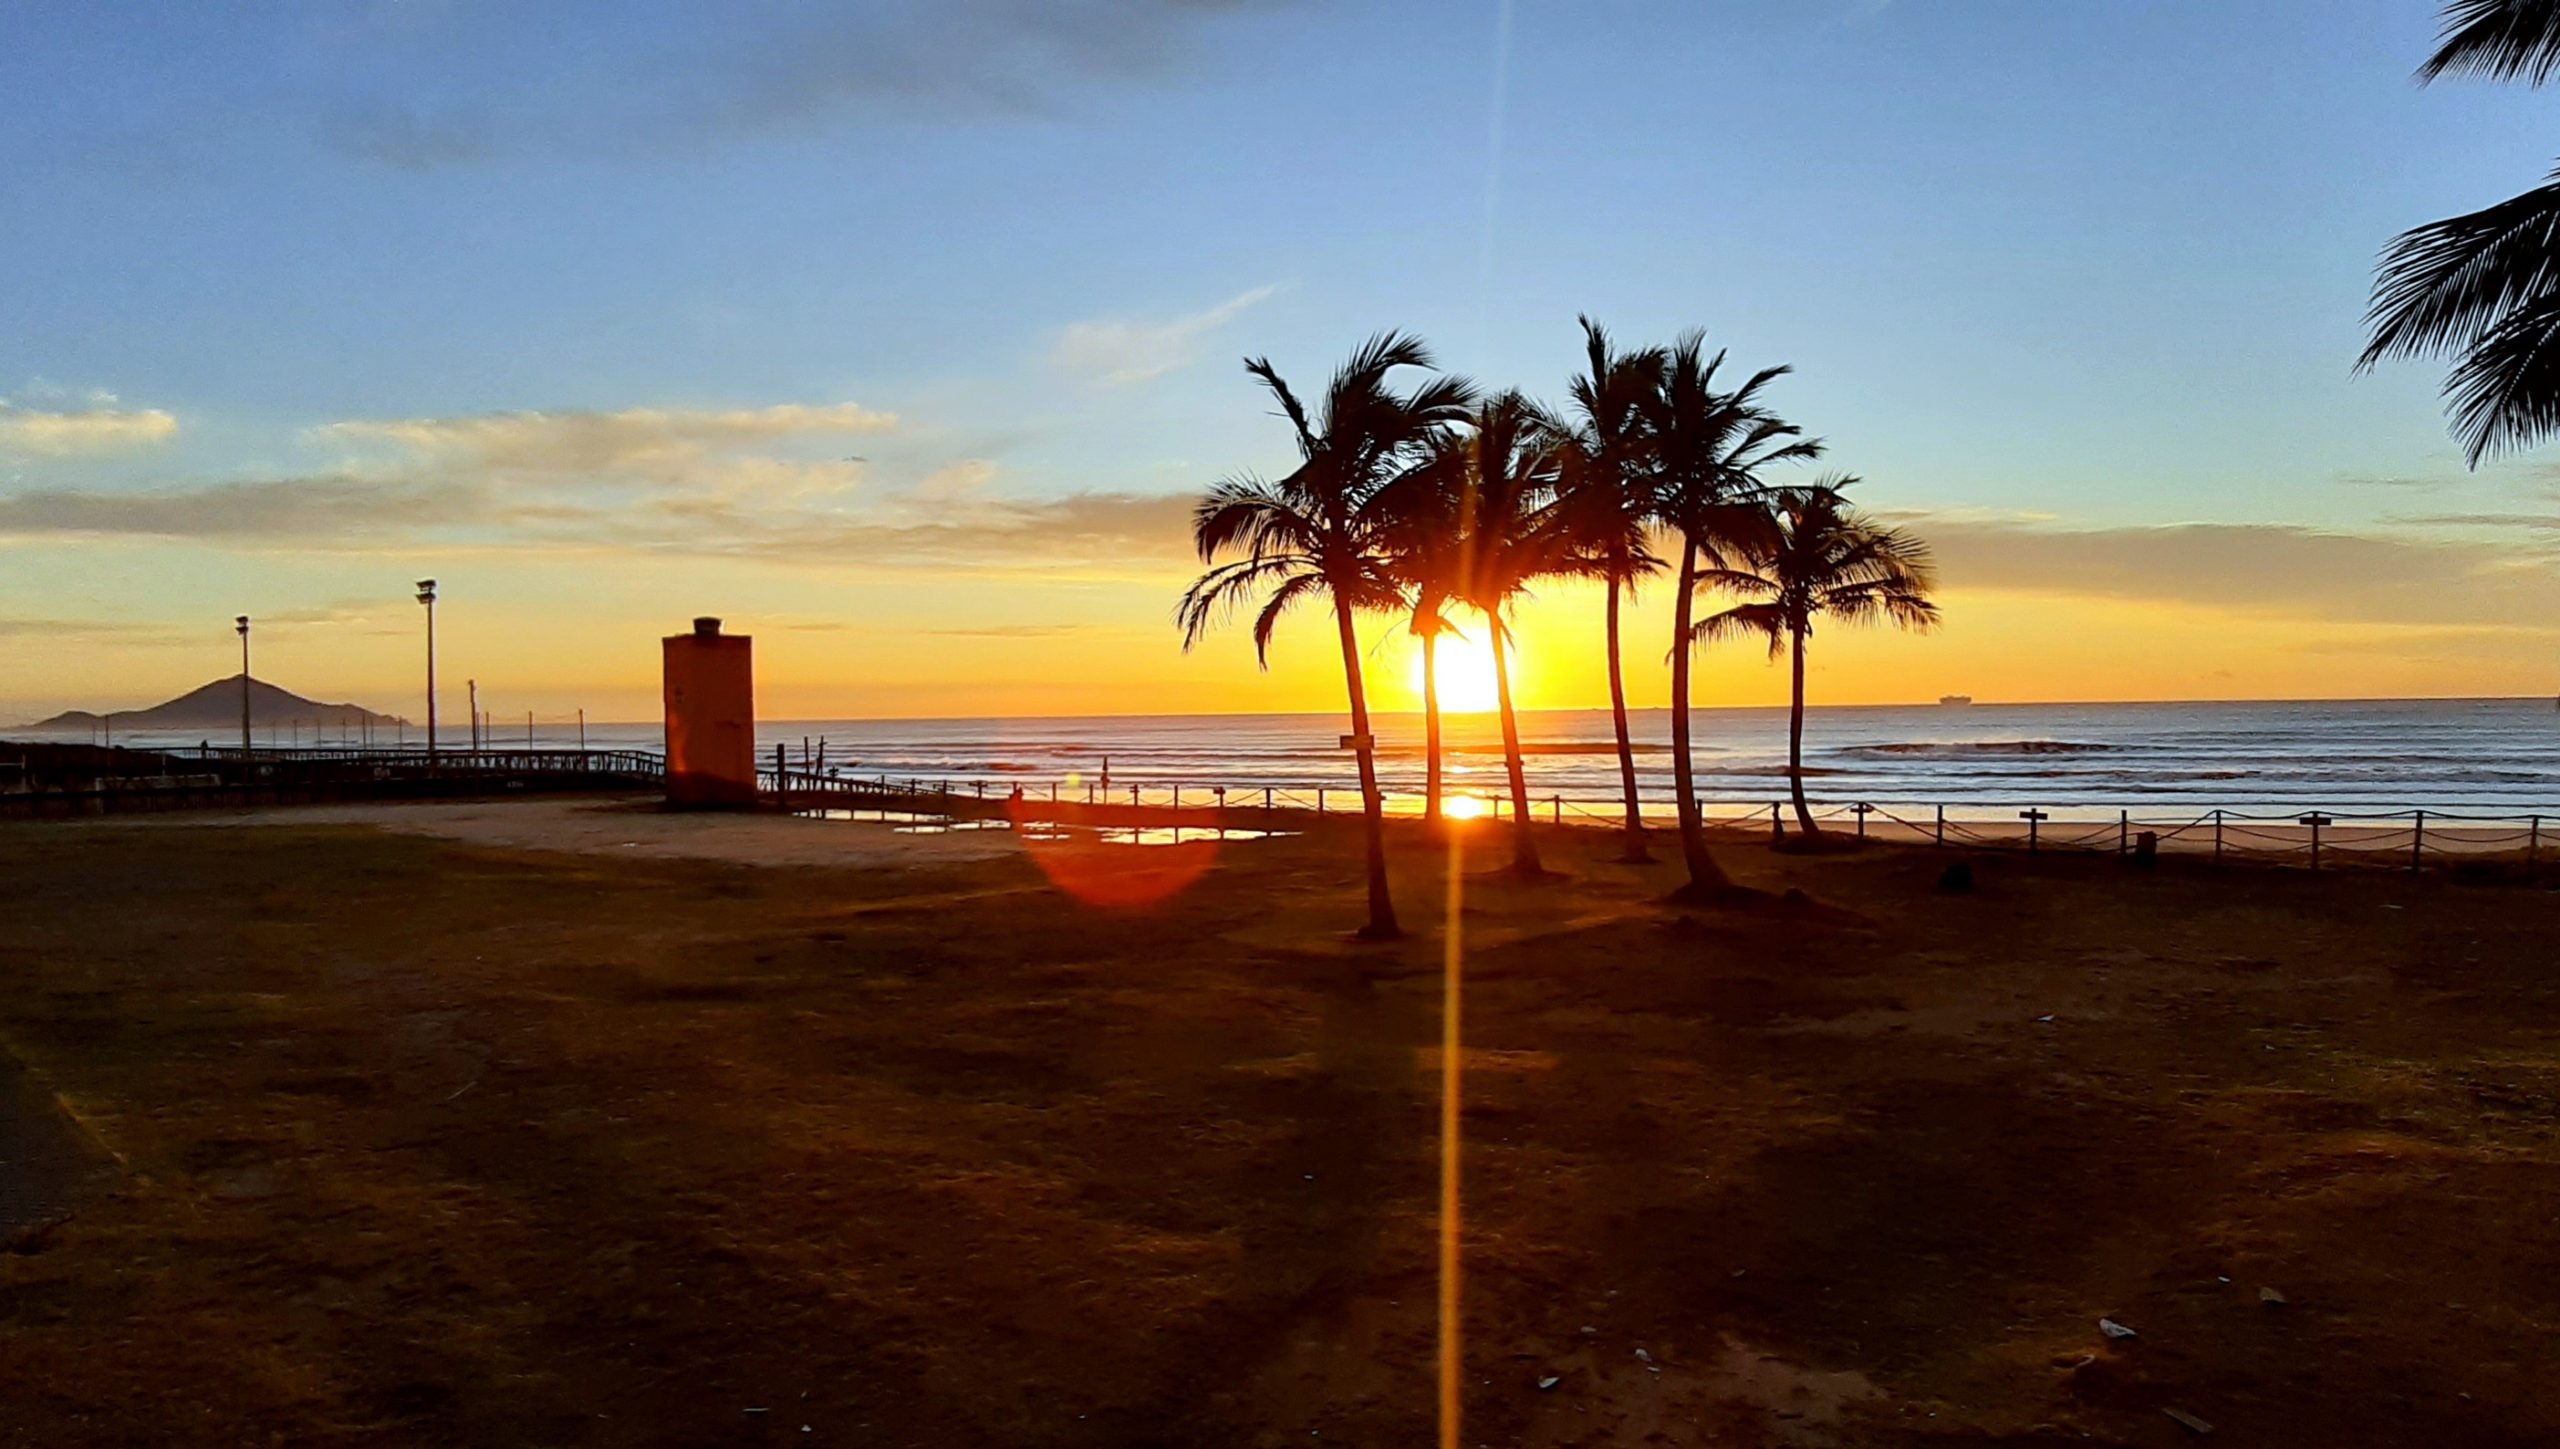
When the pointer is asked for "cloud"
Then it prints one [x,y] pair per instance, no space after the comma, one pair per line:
[87,430]
[104,631]
[1013,631]
[334,507]
[755,68]
[1123,352]
[2269,569]
[648,440]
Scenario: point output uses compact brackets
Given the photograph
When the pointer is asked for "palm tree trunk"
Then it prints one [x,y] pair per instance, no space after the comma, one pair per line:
[1524,844]
[1705,877]
[1373,808]
[1795,742]
[1635,850]
[1431,727]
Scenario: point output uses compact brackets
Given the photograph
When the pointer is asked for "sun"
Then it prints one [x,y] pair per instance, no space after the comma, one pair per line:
[1465,674]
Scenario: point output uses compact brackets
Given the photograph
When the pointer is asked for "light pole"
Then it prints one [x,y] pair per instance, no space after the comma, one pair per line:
[242,624]
[427,596]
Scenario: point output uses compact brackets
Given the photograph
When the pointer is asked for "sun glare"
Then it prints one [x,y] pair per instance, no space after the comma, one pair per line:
[1465,670]
[1462,807]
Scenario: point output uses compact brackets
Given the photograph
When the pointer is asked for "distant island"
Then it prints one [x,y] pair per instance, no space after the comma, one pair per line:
[216,706]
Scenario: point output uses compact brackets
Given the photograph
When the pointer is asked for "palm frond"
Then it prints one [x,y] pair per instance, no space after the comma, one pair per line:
[2442,286]
[1290,408]
[2506,391]
[1291,592]
[2497,39]
[1221,590]
[1767,621]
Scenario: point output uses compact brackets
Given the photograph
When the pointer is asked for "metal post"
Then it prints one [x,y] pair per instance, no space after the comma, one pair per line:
[242,624]
[1942,825]
[528,729]
[2034,818]
[475,712]
[2418,840]
[582,729]
[2124,823]
[427,596]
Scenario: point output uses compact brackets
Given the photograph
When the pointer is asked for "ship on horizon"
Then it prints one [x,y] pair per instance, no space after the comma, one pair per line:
[1952,700]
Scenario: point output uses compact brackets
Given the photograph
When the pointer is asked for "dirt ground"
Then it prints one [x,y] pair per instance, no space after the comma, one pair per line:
[438,1141]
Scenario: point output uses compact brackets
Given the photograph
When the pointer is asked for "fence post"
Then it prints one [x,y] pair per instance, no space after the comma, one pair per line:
[2033,818]
[1861,808]
[1558,802]
[1266,797]
[1133,796]
[2124,823]
[1319,799]
[2533,844]
[2418,841]
[1777,822]
[2217,836]
[1177,797]
[1942,825]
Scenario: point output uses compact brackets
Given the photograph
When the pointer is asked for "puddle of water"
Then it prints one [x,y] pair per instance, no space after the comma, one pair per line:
[904,822]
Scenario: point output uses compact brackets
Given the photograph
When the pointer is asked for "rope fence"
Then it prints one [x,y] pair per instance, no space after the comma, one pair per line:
[2318,838]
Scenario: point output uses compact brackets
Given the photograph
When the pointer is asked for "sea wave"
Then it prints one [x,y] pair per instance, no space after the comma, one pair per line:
[1963,749]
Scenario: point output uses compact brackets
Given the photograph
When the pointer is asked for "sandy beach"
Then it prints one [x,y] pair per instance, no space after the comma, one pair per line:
[526,1123]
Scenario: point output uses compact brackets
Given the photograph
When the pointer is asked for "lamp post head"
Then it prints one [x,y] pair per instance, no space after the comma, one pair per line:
[426,591]
[241,623]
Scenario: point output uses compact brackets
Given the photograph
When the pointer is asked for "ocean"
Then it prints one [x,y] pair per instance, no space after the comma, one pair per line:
[2491,756]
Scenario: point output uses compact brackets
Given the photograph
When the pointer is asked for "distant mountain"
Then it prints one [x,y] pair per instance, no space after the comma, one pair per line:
[216,706]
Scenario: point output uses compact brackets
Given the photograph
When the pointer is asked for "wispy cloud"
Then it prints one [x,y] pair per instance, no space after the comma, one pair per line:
[649,440]
[1121,351]
[2268,569]
[85,430]
[766,67]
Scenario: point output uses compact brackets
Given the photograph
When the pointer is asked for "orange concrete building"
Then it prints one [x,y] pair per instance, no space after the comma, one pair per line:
[711,719]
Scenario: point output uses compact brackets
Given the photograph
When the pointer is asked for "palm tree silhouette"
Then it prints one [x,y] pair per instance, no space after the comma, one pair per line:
[1710,447]
[1610,497]
[1317,531]
[2484,288]
[1506,461]
[1821,558]
[1426,535]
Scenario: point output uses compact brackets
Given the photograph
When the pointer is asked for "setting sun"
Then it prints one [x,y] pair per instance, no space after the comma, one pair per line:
[1465,670]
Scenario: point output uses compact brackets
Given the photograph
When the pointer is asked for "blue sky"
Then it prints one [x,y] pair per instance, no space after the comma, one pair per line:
[2082,266]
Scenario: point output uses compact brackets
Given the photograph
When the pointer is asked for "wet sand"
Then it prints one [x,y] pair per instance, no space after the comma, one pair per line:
[492,1130]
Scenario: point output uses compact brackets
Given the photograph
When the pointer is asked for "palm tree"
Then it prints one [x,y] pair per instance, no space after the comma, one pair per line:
[1513,535]
[1318,531]
[1710,447]
[1609,494]
[1426,534]
[1821,559]
[2484,288]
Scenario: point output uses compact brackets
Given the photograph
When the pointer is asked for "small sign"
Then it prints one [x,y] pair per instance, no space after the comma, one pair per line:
[1359,742]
